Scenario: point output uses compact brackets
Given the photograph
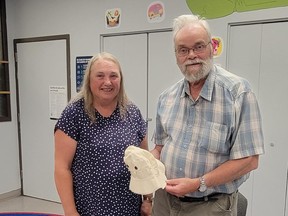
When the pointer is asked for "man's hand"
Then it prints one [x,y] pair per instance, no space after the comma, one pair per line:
[181,186]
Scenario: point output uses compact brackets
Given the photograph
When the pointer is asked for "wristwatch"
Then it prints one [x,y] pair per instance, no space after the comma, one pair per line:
[203,186]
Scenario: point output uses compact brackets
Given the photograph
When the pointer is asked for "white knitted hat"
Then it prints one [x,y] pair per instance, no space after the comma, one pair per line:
[147,173]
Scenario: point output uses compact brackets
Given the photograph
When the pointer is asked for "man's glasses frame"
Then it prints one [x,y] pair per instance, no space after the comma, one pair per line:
[197,49]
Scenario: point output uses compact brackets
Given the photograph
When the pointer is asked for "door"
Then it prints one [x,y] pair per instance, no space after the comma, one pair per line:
[274,106]
[40,64]
[149,67]
[163,72]
[131,52]
[246,63]
[260,55]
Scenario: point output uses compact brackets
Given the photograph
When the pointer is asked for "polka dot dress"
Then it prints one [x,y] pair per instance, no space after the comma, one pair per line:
[100,178]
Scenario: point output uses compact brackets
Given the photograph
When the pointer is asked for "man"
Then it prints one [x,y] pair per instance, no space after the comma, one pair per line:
[208,130]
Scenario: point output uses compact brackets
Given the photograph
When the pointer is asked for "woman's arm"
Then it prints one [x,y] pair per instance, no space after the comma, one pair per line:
[65,148]
[146,207]
[157,151]
[144,143]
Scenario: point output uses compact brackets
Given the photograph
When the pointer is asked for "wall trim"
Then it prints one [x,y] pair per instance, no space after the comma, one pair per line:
[11,194]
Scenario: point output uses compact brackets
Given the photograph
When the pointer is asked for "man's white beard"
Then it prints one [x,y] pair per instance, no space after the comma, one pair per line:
[201,74]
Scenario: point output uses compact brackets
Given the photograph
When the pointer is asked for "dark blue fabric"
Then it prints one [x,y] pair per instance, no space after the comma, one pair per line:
[26,214]
[100,177]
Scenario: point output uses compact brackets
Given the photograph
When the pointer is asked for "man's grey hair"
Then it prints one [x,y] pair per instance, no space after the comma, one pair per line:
[184,20]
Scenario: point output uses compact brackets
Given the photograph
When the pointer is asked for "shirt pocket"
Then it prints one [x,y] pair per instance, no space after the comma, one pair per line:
[213,138]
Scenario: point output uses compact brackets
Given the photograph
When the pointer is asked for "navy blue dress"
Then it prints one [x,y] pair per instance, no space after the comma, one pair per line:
[100,177]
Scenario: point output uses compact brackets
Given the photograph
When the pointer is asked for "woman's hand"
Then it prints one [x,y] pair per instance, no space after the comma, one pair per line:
[146,208]
[72,214]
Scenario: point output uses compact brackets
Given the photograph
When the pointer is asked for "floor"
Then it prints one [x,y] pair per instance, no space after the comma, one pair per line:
[29,204]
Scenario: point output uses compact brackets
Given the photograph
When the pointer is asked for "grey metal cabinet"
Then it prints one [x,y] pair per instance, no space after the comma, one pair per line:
[149,67]
[258,52]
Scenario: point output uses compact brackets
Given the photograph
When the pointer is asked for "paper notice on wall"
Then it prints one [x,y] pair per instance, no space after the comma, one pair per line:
[57,100]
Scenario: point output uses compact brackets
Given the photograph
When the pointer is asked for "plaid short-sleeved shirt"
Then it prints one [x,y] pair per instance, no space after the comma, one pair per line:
[197,136]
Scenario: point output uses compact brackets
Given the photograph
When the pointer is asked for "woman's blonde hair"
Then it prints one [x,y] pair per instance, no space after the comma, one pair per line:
[85,91]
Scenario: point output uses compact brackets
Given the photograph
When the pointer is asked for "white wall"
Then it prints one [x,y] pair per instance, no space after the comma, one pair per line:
[85,21]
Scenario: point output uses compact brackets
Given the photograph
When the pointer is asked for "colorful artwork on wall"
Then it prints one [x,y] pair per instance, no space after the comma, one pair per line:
[155,12]
[113,17]
[211,9]
[217,44]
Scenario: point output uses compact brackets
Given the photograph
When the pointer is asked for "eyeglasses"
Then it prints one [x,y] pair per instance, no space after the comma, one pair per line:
[197,49]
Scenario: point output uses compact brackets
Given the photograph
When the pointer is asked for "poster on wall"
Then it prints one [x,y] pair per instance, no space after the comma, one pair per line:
[217,44]
[155,12]
[113,18]
[57,101]
[81,65]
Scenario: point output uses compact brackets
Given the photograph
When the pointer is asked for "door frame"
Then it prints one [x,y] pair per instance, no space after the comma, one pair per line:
[65,37]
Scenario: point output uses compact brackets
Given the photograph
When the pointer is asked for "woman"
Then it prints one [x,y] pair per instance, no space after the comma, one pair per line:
[90,139]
